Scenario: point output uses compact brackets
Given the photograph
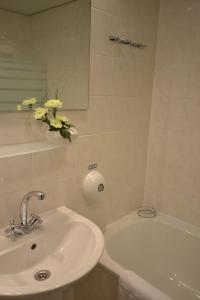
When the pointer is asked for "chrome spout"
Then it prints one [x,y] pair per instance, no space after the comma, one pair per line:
[24,205]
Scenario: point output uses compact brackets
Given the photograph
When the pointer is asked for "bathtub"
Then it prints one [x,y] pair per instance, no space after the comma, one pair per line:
[162,252]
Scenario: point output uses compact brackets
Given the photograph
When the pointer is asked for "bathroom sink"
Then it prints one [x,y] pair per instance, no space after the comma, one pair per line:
[64,248]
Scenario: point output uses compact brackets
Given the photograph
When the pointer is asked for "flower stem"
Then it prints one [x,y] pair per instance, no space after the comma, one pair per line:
[54,112]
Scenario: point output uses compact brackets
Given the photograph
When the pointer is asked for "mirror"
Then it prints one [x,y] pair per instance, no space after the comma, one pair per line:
[44,48]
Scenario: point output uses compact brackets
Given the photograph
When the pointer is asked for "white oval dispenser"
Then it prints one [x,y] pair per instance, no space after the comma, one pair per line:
[93,185]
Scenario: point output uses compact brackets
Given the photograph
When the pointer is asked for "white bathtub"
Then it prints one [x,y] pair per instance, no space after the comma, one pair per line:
[163,251]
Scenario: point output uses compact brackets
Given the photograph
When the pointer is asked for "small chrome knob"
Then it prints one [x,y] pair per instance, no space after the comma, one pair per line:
[12,223]
[10,231]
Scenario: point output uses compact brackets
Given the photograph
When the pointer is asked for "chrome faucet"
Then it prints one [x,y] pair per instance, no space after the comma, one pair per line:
[24,205]
[25,226]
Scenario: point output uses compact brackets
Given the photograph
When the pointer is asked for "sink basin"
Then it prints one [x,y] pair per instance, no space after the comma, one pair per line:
[66,244]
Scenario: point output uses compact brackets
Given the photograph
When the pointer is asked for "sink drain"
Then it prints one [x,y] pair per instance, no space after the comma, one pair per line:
[42,275]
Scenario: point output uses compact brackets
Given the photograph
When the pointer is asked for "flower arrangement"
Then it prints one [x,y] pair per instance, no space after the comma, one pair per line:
[48,113]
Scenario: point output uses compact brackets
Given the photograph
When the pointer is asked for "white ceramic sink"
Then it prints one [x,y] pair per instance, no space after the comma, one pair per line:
[66,244]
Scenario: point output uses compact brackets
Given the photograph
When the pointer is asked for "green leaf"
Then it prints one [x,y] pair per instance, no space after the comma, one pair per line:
[65,134]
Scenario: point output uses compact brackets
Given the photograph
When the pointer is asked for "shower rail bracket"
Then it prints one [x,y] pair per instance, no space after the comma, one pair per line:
[127,42]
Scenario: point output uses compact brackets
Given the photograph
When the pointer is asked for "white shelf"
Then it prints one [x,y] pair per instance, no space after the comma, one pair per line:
[21,149]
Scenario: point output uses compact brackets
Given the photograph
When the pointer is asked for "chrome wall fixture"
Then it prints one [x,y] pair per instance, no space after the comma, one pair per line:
[126,41]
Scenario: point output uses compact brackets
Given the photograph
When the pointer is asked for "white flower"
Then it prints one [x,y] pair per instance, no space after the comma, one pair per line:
[63,118]
[19,107]
[28,102]
[40,112]
[53,103]
[55,123]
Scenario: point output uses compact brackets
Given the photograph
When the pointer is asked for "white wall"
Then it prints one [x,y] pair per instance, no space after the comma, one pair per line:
[113,132]
[173,169]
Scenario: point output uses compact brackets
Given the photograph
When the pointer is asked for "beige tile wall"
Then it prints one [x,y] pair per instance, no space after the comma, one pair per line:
[113,132]
[173,170]
[98,284]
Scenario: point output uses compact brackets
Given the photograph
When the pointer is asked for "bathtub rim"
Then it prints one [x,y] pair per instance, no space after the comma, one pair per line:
[163,218]
[120,224]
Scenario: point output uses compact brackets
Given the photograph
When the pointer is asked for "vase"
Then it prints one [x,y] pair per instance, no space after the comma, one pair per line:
[54,137]
[74,133]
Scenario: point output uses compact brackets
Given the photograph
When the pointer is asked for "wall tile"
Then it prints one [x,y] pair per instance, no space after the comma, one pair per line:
[103,25]
[173,168]
[101,75]
[98,279]
[112,132]
[15,173]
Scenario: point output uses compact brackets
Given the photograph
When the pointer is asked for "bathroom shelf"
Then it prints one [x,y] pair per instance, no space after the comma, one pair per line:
[21,149]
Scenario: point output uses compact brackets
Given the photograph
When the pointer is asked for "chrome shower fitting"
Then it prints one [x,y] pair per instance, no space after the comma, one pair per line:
[146,212]
[126,41]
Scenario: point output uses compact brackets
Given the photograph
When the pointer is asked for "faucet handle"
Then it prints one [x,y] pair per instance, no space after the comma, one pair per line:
[10,231]
[12,223]
[35,220]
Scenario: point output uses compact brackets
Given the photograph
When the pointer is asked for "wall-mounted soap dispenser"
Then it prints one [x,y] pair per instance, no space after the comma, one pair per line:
[93,184]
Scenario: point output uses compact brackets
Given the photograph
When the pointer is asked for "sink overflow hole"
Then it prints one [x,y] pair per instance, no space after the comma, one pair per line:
[33,246]
[42,275]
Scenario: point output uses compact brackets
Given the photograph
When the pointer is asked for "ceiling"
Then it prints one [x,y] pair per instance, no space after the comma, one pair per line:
[28,7]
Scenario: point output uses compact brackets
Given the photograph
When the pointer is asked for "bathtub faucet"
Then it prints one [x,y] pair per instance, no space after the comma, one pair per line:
[25,226]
